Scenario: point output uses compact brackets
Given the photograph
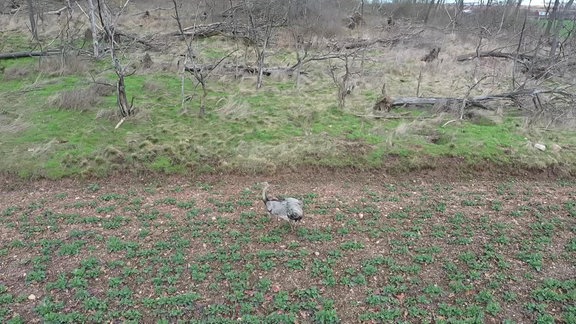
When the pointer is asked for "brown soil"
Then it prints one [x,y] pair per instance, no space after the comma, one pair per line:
[334,193]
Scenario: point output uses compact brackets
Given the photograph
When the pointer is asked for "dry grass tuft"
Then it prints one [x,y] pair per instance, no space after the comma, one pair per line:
[113,154]
[43,148]
[236,109]
[141,115]
[76,99]
[108,114]
[16,73]
[11,123]
[102,88]
[63,65]
[153,87]
[113,115]
[426,128]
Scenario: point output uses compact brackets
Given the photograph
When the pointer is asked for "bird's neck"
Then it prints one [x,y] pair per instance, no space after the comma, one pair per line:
[264,194]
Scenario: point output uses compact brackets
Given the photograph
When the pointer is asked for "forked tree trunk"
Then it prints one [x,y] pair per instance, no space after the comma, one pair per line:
[261,59]
[106,21]
[125,108]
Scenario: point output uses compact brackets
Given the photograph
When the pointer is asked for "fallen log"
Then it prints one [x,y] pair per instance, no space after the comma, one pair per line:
[16,55]
[136,38]
[213,26]
[475,101]
[498,54]
[218,29]
[56,12]
[419,101]
[367,43]
[204,31]
[243,69]
[431,101]
[535,67]
[364,43]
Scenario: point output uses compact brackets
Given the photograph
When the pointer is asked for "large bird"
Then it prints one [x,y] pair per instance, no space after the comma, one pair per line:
[288,209]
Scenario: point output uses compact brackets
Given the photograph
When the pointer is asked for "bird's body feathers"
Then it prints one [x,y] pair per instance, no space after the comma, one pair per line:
[289,209]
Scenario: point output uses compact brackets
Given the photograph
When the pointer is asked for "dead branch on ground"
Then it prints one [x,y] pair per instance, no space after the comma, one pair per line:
[479,101]
[534,66]
[512,56]
[365,43]
[56,12]
[225,29]
[228,68]
[16,55]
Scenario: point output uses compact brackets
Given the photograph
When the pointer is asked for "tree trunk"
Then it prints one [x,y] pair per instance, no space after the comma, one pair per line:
[504,15]
[430,6]
[552,18]
[554,41]
[557,27]
[203,98]
[32,17]
[106,21]
[261,58]
[92,13]
[125,111]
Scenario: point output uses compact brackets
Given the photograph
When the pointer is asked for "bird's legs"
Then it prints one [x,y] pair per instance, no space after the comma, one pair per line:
[292,225]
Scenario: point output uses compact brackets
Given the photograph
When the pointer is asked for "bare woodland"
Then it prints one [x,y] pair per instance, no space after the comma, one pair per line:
[515,56]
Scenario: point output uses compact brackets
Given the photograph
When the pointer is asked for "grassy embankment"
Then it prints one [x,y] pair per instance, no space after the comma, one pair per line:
[56,122]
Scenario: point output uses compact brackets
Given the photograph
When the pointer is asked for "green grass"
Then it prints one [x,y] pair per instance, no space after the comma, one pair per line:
[245,130]
[566,29]
[14,42]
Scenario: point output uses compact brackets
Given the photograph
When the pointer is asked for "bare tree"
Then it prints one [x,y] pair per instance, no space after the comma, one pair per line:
[263,17]
[200,72]
[302,47]
[108,22]
[344,82]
